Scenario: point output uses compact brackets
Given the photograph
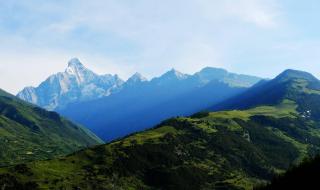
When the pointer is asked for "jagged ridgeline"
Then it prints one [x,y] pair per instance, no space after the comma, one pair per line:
[30,133]
[236,149]
[113,108]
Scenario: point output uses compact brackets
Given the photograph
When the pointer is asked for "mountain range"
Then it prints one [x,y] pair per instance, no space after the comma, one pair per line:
[113,108]
[273,125]
[76,83]
[28,133]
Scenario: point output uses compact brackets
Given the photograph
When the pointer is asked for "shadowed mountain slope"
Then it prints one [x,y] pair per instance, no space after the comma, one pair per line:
[209,150]
[172,94]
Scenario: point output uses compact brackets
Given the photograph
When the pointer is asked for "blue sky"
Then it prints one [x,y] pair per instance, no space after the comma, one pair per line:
[258,37]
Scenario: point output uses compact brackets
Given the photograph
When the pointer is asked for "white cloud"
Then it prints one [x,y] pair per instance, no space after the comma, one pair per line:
[261,13]
[123,36]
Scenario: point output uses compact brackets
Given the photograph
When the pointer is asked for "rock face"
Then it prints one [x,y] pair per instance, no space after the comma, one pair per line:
[76,83]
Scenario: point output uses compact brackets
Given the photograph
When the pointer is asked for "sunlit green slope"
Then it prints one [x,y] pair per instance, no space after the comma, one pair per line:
[236,149]
[30,133]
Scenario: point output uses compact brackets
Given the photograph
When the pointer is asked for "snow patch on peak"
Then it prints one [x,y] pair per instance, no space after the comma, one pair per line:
[28,94]
[29,88]
[74,66]
[74,62]
[80,72]
[137,77]
[173,73]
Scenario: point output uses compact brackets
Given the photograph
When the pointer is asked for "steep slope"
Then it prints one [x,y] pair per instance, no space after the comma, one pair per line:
[223,150]
[76,84]
[172,94]
[292,84]
[217,150]
[30,133]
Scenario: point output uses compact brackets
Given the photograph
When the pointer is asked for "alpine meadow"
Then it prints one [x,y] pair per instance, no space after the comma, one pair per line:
[159,95]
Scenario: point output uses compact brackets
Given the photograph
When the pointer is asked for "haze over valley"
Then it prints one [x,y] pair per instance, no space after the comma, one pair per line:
[159,95]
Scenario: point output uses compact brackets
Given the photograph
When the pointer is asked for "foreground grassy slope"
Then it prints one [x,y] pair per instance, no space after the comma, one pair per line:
[238,149]
[29,133]
[233,150]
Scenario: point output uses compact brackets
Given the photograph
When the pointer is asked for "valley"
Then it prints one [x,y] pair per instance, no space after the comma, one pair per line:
[237,149]
[159,95]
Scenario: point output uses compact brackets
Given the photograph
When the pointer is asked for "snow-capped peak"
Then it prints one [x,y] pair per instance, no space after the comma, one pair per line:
[76,83]
[137,77]
[74,65]
[173,73]
[77,69]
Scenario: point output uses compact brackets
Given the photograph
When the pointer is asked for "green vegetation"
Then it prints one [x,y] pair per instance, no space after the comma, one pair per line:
[218,150]
[304,176]
[286,108]
[236,149]
[29,133]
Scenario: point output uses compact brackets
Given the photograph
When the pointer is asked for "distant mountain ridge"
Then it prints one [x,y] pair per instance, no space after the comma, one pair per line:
[236,149]
[77,84]
[112,107]
[288,84]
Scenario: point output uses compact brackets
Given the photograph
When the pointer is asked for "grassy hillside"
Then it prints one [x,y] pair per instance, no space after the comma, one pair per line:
[232,149]
[236,149]
[29,133]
